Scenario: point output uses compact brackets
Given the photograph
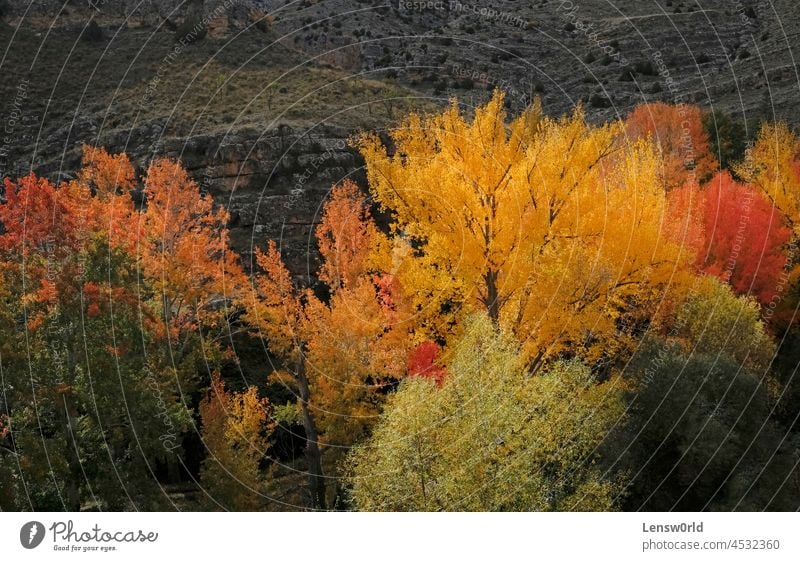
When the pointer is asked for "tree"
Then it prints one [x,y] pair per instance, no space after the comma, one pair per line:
[772,165]
[111,179]
[193,273]
[357,353]
[491,437]
[716,321]
[679,133]
[727,137]
[343,352]
[94,291]
[90,420]
[700,435]
[732,232]
[746,238]
[235,431]
[550,226]
[186,251]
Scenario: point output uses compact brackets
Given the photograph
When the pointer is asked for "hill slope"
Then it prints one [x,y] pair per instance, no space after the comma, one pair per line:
[260,103]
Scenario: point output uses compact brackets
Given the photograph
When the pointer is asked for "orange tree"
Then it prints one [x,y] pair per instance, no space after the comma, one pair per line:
[88,418]
[341,352]
[107,313]
[553,226]
[193,273]
[679,134]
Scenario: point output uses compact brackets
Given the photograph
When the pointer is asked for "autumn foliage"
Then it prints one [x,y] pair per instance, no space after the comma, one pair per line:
[112,304]
[343,353]
[550,226]
[678,132]
[745,238]
[734,233]
[532,274]
[422,362]
[235,430]
[771,165]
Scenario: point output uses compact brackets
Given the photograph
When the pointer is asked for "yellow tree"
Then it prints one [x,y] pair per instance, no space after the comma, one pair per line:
[772,165]
[551,226]
[341,352]
[236,428]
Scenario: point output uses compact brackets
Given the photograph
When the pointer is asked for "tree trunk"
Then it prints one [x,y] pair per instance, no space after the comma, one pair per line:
[313,455]
[73,492]
[492,299]
[70,420]
[535,364]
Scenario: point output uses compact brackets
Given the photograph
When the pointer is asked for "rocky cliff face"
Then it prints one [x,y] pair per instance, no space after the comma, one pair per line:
[258,98]
[273,184]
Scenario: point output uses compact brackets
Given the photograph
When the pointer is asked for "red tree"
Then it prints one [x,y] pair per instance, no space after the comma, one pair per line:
[745,236]
[679,133]
[422,362]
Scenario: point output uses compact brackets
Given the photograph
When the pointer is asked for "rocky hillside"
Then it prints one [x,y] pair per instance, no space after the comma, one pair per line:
[258,98]
[732,55]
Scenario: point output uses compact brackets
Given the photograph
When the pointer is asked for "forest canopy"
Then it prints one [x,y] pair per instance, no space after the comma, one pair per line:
[513,313]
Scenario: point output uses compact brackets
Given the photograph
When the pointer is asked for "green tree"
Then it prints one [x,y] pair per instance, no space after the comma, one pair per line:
[91,418]
[727,137]
[490,438]
[714,320]
[700,436]
[91,396]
